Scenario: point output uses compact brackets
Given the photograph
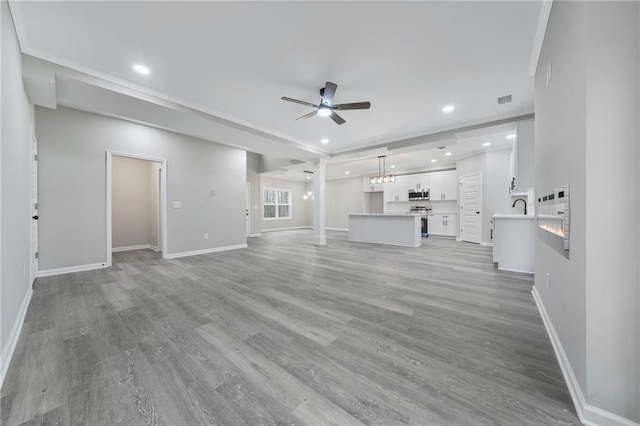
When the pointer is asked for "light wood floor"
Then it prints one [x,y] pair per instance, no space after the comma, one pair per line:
[288,333]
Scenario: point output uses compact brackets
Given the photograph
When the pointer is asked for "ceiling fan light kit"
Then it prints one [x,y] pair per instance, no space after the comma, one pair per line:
[382,176]
[326,108]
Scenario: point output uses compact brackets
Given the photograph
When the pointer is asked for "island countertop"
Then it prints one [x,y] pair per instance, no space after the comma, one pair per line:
[387,214]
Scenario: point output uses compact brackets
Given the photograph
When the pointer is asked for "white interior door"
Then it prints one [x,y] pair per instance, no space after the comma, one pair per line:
[33,272]
[471,208]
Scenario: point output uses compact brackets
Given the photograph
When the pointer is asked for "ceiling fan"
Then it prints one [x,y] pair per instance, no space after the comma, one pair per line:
[326,107]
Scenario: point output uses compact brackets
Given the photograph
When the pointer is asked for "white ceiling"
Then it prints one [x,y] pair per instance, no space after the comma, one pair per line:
[415,159]
[236,59]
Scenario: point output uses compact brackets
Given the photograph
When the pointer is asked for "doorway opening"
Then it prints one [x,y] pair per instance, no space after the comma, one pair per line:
[136,204]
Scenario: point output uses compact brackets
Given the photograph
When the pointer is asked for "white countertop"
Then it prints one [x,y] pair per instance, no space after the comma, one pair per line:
[514,216]
[387,214]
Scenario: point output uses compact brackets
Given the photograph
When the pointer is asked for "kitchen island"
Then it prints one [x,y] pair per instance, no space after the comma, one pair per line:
[392,229]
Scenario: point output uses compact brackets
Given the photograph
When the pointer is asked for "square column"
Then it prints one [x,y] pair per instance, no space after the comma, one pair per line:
[319,165]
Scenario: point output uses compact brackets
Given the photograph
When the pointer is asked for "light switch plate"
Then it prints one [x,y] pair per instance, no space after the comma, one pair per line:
[177,205]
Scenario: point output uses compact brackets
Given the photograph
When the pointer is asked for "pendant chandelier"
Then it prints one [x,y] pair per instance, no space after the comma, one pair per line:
[382,176]
[308,184]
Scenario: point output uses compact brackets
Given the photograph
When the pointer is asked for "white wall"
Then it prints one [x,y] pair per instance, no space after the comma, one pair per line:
[208,179]
[343,197]
[134,205]
[587,136]
[15,222]
[495,167]
[300,206]
[526,154]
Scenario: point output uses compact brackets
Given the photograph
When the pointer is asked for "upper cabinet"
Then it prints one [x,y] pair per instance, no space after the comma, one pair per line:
[443,185]
[397,191]
[417,182]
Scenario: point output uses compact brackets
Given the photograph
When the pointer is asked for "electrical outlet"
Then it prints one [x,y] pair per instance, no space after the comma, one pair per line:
[206,236]
[548,281]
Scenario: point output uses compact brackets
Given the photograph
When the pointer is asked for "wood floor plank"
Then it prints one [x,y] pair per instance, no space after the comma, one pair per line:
[286,332]
[40,386]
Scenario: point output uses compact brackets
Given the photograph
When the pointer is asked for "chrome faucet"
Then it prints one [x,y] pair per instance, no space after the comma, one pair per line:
[525,204]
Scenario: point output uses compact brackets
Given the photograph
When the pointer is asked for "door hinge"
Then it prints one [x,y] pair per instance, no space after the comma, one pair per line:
[36,255]
[35,157]
[35,206]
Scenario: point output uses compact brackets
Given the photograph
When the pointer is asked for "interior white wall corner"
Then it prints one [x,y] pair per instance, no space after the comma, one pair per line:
[39,83]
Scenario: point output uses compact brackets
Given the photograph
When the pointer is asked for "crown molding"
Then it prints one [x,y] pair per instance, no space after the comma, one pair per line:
[543,20]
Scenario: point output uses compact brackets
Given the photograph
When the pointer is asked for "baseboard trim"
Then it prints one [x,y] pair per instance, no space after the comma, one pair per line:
[513,270]
[286,229]
[255,235]
[588,414]
[205,251]
[140,247]
[7,352]
[71,269]
[337,229]
[486,244]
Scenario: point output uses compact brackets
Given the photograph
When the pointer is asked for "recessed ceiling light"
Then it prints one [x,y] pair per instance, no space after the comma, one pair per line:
[433,161]
[141,69]
[448,108]
[308,177]
[325,140]
[347,172]
[447,154]
[511,136]
[393,166]
[486,144]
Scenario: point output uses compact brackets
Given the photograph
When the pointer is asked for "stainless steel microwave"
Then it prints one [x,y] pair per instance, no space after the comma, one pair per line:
[422,194]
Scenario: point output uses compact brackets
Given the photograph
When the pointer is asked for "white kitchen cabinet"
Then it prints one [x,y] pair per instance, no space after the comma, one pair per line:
[443,225]
[424,181]
[397,191]
[370,187]
[443,185]
[417,182]
[514,241]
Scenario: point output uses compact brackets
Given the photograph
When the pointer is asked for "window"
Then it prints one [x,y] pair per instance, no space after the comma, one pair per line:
[277,204]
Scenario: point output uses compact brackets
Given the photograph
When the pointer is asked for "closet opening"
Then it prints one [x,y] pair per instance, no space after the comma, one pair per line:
[136,204]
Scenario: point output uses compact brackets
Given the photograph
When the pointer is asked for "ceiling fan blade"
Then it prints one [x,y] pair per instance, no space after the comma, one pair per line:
[329,91]
[304,117]
[335,117]
[296,101]
[354,105]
